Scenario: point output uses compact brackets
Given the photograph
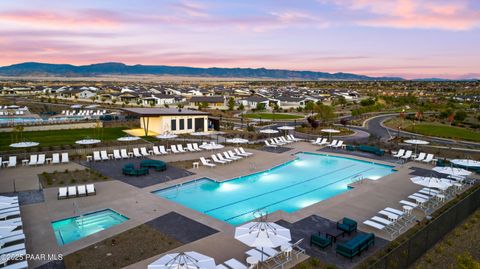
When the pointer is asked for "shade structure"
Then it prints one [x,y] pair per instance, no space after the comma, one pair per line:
[262,234]
[430,182]
[454,171]
[331,131]
[466,163]
[268,131]
[24,144]
[88,141]
[184,260]
[166,136]
[237,141]
[416,142]
[128,138]
[286,128]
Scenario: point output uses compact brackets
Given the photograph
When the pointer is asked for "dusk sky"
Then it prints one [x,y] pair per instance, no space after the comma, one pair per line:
[408,38]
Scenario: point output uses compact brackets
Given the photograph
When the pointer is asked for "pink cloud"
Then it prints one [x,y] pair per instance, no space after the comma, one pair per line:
[428,14]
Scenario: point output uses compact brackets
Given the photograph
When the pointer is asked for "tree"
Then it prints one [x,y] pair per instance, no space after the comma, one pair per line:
[367,102]
[260,106]
[310,107]
[241,107]
[202,105]
[324,113]
[460,116]
[231,103]
[313,123]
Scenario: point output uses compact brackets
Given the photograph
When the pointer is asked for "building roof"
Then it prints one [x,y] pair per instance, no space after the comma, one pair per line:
[152,112]
[208,99]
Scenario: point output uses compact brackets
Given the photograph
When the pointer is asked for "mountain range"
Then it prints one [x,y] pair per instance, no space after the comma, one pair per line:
[112,68]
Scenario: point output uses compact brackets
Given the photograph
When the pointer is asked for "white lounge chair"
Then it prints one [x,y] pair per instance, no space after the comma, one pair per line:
[62,193]
[237,151]
[282,139]
[294,138]
[404,202]
[33,160]
[96,156]
[334,142]
[124,154]
[227,155]
[65,158]
[317,141]
[215,159]
[378,226]
[180,148]
[428,159]
[232,154]
[338,145]
[41,159]
[220,157]
[399,153]
[190,147]
[116,154]
[55,158]
[420,157]
[17,265]
[72,191]
[91,189]
[104,155]
[206,162]
[156,151]
[244,152]
[144,152]
[270,145]
[173,148]
[407,155]
[163,150]
[324,142]
[277,141]
[136,153]
[82,191]
[195,146]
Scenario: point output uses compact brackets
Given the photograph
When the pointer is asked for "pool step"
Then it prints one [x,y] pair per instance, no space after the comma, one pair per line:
[95,219]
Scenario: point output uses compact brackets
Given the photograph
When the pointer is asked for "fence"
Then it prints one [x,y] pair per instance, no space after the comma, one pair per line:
[412,249]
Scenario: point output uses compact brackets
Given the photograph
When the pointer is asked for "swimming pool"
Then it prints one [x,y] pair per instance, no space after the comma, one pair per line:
[307,180]
[75,228]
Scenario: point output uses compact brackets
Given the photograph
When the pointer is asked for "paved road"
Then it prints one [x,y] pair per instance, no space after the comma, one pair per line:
[375,127]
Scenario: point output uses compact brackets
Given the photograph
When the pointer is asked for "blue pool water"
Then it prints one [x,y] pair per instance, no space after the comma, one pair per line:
[72,229]
[307,180]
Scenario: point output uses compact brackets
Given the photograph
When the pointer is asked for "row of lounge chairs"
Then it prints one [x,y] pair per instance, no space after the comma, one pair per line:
[84,112]
[324,142]
[38,159]
[227,157]
[408,154]
[144,152]
[76,191]
[12,239]
[391,220]
[281,141]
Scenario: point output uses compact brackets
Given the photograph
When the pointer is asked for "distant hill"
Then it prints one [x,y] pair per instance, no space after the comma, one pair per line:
[67,70]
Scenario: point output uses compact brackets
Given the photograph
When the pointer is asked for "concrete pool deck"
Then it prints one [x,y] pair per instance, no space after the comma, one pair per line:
[141,206]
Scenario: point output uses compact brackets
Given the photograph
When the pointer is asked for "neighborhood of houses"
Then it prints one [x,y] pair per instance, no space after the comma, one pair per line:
[218,97]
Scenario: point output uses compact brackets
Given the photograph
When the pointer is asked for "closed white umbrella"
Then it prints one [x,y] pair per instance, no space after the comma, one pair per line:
[184,260]
[262,234]
[454,171]
[430,182]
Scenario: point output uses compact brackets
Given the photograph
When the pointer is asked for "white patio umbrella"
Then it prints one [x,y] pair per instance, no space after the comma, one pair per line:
[416,142]
[128,138]
[237,140]
[88,141]
[76,106]
[91,106]
[268,131]
[286,128]
[262,234]
[466,163]
[166,136]
[454,171]
[183,260]
[430,182]
[330,132]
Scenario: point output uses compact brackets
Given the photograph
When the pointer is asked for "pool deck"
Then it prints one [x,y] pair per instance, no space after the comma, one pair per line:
[140,205]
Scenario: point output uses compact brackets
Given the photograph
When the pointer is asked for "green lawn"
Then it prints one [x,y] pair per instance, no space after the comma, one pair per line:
[61,137]
[436,129]
[271,116]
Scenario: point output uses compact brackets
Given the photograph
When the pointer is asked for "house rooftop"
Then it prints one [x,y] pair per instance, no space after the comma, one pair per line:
[163,111]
